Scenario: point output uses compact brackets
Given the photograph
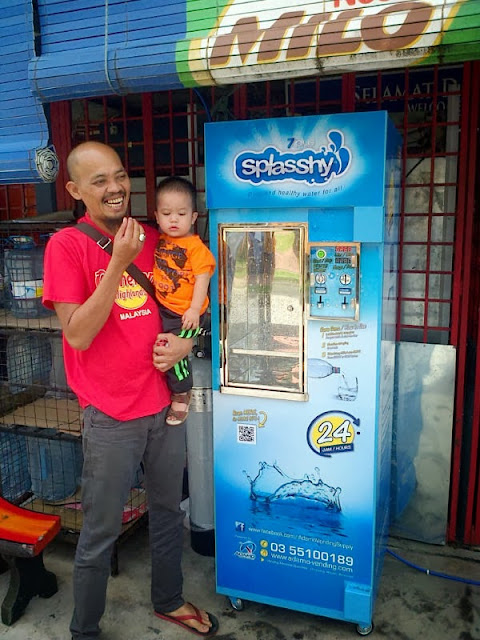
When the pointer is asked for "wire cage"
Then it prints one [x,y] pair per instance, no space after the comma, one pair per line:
[40,418]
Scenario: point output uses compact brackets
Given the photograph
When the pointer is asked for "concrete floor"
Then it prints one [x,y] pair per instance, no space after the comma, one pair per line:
[411,605]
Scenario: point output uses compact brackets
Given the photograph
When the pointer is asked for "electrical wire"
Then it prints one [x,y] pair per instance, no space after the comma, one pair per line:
[432,572]
[105,52]
[205,106]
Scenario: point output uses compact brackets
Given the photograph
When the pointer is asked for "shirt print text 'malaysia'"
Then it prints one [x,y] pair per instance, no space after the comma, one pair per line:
[308,165]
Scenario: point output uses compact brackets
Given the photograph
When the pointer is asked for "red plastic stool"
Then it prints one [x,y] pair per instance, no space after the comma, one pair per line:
[24,534]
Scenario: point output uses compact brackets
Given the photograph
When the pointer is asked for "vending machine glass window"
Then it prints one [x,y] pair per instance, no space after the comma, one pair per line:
[262,334]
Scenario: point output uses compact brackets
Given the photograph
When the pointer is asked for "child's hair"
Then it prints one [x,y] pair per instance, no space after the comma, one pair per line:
[176,183]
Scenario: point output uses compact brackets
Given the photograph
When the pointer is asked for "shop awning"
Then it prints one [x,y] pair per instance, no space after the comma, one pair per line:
[97,47]
[100,47]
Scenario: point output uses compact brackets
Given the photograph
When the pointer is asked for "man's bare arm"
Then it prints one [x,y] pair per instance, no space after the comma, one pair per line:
[170,349]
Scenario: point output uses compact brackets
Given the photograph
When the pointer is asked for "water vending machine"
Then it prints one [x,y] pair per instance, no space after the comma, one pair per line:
[304,223]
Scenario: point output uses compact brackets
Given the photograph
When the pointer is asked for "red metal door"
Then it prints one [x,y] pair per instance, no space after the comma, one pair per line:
[464,522]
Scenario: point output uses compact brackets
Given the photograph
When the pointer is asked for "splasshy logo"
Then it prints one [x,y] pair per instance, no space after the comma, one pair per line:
[312,167]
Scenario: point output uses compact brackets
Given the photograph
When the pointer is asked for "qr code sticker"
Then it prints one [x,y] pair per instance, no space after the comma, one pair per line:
[247,433]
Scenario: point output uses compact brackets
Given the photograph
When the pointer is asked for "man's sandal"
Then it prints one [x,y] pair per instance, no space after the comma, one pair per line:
[182,621]
[176,416]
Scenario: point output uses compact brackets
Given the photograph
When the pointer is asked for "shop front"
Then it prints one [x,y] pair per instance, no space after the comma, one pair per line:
[147,84]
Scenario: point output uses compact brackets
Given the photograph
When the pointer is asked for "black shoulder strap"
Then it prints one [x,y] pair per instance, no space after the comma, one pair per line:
[106,244]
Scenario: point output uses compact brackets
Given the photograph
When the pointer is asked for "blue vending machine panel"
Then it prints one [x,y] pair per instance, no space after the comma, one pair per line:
[303,218]
[334,280]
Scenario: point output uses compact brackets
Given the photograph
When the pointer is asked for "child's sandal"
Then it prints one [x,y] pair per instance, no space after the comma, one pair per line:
[176,417]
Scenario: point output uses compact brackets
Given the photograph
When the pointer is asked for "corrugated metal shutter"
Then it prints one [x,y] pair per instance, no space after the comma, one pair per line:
[23,125]
[96,48]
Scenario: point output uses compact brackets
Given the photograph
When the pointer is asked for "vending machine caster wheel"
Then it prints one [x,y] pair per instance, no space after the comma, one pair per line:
[237,604]
[363,630]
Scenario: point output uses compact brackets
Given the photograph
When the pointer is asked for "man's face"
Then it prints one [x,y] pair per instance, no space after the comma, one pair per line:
[100,180]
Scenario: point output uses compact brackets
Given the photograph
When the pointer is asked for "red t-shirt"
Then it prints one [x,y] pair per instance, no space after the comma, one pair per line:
[116,373]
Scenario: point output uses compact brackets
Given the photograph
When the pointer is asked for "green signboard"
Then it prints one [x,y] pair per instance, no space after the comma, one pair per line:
[252,40]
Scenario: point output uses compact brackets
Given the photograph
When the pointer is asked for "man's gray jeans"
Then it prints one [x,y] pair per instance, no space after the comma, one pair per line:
[112,453]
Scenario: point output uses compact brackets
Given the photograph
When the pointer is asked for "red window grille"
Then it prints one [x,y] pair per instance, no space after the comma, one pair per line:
[17,201]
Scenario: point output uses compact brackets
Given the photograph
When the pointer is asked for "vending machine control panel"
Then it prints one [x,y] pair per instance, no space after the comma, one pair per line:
[334,285]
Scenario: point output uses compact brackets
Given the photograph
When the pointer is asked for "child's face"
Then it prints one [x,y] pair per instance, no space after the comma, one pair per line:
[174,213]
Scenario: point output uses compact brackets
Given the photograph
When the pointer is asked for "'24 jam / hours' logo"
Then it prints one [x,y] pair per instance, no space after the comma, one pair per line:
[313,167]
[333,432]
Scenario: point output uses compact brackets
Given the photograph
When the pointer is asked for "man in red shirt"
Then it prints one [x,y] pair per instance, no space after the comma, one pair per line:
[110,326]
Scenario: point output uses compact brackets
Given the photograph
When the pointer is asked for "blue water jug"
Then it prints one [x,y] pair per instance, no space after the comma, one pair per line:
[14,475]
[3,293]
[58,381]
[29,360]
[55,465]
[24,277]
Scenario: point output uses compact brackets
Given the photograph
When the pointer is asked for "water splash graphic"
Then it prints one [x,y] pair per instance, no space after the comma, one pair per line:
[272,485]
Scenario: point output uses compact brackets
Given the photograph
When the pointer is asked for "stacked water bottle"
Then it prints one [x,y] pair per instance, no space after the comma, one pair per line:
[29,355]
[23,277]
[40,462]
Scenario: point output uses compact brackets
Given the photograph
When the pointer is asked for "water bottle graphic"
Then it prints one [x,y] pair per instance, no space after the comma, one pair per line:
[318,368]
